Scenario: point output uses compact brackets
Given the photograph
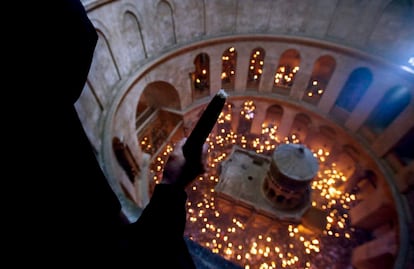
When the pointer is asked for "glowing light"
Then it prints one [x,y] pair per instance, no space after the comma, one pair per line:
[224,231]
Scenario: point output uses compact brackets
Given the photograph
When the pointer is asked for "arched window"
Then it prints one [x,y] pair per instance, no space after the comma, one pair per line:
[200,78]
[300,128]
[390,106]
[273,116]
[354,88]
[132,35]
[321,74]
[323,141]
[228,68]
[286,71]
[153,134]
[271,122]
[158,94]
[165,21]
[247,113]
[255,68]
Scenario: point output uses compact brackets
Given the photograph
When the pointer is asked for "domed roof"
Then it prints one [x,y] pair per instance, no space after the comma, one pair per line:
[295,161]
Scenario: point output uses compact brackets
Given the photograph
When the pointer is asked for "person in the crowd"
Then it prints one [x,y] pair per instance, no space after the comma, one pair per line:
[65,213]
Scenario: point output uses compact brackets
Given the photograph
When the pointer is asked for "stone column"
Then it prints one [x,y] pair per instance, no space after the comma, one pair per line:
[286,122]
[267,79]
[235,116]
[243,58]
[215,72]
[142,184]
[303,76]
[336,83]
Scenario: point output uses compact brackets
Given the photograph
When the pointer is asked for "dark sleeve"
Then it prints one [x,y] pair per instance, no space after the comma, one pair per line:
[160,228]
[167,205]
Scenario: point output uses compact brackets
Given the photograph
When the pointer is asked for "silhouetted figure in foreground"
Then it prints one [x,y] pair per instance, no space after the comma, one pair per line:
[65,214]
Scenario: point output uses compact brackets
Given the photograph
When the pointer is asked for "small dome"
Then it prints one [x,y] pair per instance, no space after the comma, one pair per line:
[295,161]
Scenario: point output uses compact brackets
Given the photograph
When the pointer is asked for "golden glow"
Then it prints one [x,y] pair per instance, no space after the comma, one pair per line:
[315,88]
[285,75]
[229,233]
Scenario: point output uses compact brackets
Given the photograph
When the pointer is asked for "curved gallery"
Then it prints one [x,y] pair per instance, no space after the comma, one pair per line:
[293,99]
